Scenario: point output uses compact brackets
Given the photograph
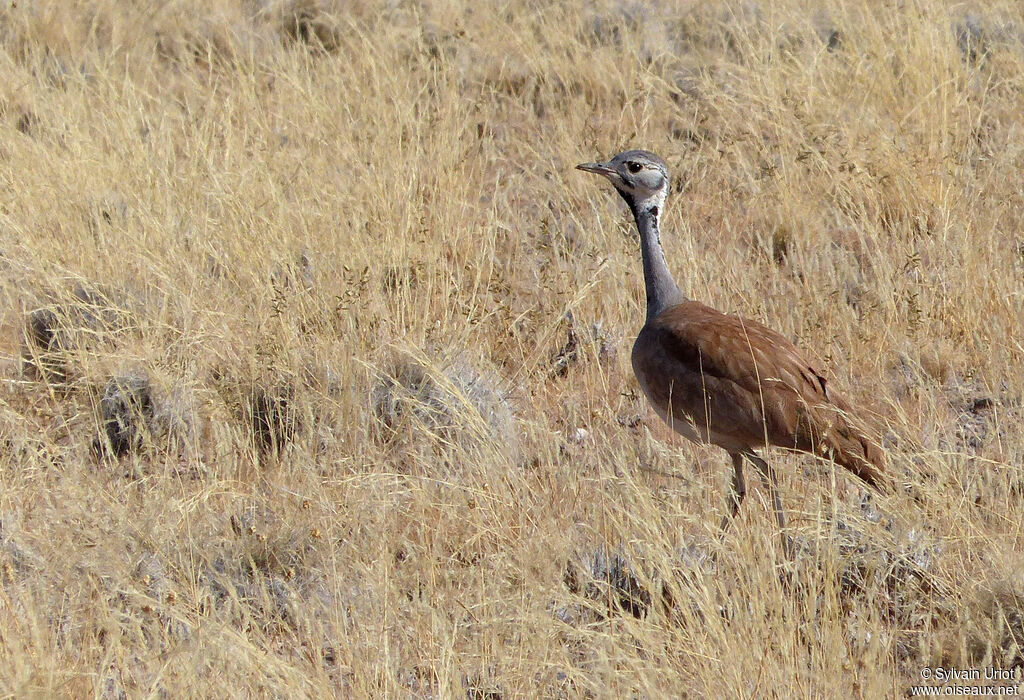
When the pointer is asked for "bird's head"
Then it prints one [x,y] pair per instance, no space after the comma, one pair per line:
[639,176]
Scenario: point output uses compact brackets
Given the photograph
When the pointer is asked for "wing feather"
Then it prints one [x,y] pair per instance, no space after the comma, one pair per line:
[743,385]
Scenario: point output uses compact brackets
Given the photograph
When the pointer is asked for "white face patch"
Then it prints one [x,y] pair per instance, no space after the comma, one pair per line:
[648,199]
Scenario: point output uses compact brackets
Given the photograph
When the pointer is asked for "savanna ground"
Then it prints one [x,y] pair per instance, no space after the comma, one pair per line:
[315,346]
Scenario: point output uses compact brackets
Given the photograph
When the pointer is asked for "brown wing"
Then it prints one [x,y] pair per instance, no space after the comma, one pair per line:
[744,386]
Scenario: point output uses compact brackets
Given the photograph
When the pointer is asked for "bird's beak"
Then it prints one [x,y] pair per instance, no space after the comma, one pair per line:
[598,168]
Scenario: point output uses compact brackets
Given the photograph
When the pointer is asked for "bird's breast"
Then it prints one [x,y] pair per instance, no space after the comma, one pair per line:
[658,387]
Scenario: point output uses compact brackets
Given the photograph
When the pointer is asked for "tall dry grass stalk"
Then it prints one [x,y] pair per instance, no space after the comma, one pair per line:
[282,282]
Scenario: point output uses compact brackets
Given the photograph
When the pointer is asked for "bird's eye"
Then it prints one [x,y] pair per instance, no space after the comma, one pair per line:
[634,167]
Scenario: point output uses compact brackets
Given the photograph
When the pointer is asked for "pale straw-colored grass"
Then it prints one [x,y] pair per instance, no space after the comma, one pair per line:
[278,199]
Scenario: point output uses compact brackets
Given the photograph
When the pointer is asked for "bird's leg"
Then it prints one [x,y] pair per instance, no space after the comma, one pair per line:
[767,474]
[736,493]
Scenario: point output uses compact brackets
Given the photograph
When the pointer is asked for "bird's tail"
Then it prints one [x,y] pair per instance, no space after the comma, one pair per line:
[850,447]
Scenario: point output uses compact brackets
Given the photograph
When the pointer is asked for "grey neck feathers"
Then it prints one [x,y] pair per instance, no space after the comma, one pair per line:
[662,290]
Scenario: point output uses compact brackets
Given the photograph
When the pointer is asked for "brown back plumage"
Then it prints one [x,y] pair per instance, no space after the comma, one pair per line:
[737,384]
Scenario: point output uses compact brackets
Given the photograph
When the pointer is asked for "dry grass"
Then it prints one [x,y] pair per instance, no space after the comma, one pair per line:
[334,246]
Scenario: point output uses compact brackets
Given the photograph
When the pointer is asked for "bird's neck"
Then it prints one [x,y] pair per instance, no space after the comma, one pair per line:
[662,290]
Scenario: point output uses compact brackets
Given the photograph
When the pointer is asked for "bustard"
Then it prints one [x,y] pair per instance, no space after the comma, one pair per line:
[722,379]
